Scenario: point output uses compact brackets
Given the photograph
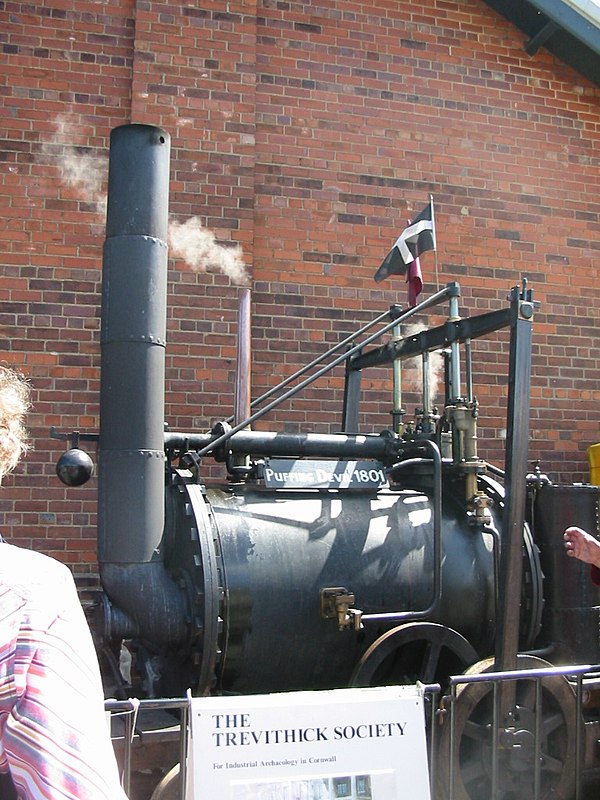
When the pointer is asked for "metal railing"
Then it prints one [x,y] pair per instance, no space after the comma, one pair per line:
[494,721]
[129,733]
[469,710]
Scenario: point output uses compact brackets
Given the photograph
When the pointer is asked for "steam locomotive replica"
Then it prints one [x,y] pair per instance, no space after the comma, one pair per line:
[333,560]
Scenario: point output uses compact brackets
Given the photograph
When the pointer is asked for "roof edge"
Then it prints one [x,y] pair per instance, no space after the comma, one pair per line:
[573,19]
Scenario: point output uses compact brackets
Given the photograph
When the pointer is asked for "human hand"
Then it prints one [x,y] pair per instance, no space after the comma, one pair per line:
[579,544]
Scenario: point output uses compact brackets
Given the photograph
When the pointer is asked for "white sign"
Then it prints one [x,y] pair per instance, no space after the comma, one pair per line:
[286,473]
[350,744]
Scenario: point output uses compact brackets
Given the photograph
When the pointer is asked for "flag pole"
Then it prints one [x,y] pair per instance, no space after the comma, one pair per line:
[437,277]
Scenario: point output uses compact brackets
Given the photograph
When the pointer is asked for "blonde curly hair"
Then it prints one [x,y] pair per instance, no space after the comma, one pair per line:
[14,404]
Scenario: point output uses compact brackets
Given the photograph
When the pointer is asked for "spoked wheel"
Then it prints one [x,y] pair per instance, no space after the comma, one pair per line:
[168,788]
[472,755]
[416,651]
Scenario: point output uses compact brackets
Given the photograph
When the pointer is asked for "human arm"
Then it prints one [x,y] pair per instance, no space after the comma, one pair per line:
[54,731]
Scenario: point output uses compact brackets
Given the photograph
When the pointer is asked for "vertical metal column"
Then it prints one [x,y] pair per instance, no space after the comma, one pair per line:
[133,340]
[243,399]
[517,438]
[397,410]
[131,473]
[455,391]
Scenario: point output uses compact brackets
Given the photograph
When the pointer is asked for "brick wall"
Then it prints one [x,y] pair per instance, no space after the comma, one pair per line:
[306,134]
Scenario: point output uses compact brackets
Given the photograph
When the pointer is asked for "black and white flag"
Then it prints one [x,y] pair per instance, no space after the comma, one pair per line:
[415,239]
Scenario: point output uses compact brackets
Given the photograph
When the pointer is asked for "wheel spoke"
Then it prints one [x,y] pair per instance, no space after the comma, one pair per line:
[526,690]
[552,765]
[433,650]
[552,722]
[475,731]
[473,772]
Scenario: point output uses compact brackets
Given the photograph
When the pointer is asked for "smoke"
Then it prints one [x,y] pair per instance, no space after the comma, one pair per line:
[85,174]
[79,170]
[199,249]
[412,369]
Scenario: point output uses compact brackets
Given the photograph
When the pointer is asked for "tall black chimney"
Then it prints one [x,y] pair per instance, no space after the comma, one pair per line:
[131,468]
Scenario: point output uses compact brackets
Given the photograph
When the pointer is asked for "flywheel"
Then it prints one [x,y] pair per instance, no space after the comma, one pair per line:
[539,730]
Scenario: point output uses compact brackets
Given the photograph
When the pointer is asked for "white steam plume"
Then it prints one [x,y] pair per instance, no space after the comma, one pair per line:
[412,369]
[199,249]
[80,171]
[86,174]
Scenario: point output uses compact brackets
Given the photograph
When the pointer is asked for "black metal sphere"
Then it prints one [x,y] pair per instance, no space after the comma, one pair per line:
[74,467]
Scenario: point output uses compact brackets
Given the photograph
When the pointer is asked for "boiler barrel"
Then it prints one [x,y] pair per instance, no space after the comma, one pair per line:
[277,550]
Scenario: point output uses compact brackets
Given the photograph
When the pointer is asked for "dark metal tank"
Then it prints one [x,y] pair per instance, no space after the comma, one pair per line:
[263,558]
[571,618]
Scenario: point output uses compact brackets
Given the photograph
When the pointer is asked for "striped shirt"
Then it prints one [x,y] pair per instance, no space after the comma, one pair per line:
[54,739]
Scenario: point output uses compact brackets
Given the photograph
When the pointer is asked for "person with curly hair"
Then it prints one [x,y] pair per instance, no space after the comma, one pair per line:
[54,739]
[14,393]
